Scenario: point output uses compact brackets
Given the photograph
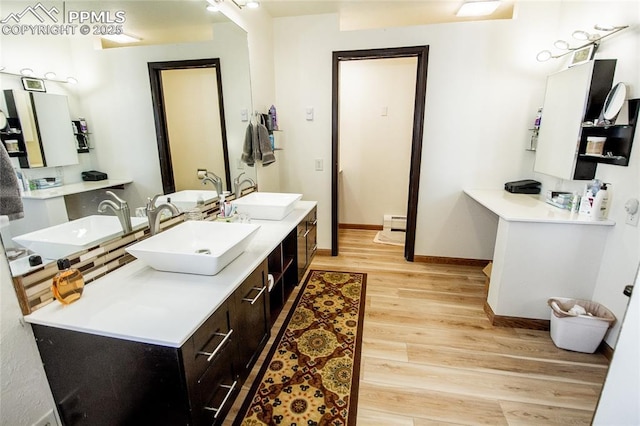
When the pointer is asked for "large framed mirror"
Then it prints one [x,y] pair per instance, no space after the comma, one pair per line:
[188,106]
[114,95]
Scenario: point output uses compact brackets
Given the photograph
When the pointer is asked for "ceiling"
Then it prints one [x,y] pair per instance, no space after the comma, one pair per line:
[369,14]
[176,21]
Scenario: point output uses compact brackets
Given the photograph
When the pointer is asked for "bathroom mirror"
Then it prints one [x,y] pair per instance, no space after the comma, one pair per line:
[45,128]
[613,103]
[3,120]
[114,94]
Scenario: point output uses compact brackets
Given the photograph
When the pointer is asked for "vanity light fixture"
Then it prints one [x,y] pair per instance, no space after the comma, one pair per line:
[251,4]
[214,5]
[478,8]
[28,72]
[591,39]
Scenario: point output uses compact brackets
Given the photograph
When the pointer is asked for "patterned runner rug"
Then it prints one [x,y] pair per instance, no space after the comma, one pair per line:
[310,376]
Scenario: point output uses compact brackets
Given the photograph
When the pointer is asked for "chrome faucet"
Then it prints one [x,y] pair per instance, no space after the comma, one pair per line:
[120,208]
[153,212]
[214,179]
[237,184]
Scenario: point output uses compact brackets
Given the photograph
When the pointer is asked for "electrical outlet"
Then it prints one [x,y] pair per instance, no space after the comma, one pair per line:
[632,219]
[48,419]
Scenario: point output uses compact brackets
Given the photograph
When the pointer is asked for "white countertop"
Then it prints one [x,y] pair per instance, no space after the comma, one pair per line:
[73,188]
[528,208]
[136,302]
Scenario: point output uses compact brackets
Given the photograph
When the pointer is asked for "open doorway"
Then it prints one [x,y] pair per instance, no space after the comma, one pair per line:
[190,125]
[420,53]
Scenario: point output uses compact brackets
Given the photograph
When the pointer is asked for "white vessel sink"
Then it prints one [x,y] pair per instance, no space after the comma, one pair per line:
[187,199]
[67,238]
[195,247]
[267,205]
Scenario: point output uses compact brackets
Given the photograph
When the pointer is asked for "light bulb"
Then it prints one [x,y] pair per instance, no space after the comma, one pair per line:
[561,44]
[213,8]
[72,80]
[50,75]
[27,72]
[252,4]
[580,35]
[544,55]
[604,27]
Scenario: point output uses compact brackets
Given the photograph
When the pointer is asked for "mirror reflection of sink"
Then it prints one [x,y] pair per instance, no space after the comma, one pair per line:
[195,247]
[187,199]
[67,238]
[267,205]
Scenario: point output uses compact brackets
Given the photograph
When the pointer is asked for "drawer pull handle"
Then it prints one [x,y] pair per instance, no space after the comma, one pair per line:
[224,401]
[314,248]
[217,349]
[314,223]
[255,299]
[306,233]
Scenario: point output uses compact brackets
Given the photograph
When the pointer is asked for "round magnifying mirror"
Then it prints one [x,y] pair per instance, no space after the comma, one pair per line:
[3,120]
[613,103]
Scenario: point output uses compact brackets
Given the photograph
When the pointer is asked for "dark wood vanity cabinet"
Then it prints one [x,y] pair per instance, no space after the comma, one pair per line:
[251,319]
[97,380]
[307,241]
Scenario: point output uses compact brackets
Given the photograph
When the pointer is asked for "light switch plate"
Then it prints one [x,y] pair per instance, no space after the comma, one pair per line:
[319,164]
[632,219]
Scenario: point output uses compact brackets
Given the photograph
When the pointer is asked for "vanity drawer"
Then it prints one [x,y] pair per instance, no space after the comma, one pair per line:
[216,390]
[211,341]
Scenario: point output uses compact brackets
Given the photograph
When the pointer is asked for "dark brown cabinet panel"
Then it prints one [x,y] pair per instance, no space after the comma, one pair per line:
[251,319]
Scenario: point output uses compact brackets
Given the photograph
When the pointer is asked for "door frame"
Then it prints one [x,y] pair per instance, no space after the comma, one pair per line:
[422,54]
[160,118]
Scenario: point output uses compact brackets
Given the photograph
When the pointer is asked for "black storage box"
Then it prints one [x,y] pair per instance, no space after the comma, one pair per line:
[94,175]
[527,186]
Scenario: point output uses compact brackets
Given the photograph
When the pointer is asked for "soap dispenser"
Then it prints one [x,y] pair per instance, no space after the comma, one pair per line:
[68,283]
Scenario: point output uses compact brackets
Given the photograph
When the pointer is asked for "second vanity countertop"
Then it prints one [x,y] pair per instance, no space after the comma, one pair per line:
[136,302]
[73,188]
[528,208]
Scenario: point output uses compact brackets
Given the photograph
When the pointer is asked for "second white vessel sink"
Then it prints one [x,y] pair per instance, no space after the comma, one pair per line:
[195,247]
[71,237]
[187,199]
[267,205]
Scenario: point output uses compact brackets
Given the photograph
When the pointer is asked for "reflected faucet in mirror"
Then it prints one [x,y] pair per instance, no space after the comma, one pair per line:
[214,179]
[120,208]
[237,184]
[153,213]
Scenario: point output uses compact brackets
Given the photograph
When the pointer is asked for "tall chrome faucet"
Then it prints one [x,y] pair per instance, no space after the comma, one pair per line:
[237,184]
[120,208]
[214,179]
[153,212]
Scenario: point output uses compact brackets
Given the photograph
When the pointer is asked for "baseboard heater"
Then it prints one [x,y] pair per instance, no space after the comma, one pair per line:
[394,223]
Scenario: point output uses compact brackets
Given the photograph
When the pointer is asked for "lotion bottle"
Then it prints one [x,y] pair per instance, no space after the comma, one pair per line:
[68,283]
[600,206]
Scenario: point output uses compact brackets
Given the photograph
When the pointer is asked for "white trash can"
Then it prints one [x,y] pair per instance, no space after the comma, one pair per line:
[578,325]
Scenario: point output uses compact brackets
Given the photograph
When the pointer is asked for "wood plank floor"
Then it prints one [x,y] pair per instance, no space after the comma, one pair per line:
[430,355]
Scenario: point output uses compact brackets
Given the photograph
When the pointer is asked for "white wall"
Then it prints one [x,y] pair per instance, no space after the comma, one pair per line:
[618,403]
[484,86]
[375,146]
